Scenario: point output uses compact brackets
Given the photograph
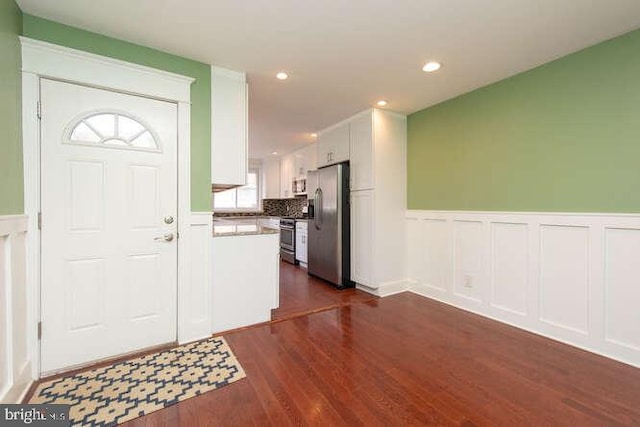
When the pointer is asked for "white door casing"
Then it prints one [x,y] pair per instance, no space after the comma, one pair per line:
[108,286]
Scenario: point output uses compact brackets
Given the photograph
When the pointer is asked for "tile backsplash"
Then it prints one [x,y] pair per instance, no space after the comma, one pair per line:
[284,207]
[274,207]
[235,214]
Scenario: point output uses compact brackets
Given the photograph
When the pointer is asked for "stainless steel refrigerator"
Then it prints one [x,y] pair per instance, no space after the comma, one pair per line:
[329,250]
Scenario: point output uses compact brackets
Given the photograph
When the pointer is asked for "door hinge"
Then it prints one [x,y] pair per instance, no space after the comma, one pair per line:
[177,235]
[39,108]
[39,330]
[39,220]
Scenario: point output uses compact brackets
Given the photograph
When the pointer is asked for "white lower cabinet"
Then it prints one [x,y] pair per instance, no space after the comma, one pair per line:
[362,237]
[246,272]
[301,242]
[269,222]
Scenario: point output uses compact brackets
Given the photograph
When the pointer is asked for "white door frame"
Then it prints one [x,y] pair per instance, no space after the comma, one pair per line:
[41,59]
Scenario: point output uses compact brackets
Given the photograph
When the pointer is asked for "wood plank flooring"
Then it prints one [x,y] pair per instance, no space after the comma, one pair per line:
[303,294]
[407,360]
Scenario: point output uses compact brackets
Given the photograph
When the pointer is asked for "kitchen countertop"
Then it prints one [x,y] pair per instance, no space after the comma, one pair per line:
[240,227]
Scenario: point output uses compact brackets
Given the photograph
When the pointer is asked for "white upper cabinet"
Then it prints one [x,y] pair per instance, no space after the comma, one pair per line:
[295,166]
[305,160]
[333,145]
[361,152]
[287,166]
[311,157]
[229,116]
[299,165]
[271,178]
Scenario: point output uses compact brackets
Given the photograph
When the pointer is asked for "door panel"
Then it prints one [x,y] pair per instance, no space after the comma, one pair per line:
[85,278]
[144,189]
[109,177]
[143,275]
[86,184]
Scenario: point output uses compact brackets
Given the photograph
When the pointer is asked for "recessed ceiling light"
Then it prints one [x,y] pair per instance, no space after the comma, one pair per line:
[282,75]
[275,153]
[432,66]
[313,135]
[381,103]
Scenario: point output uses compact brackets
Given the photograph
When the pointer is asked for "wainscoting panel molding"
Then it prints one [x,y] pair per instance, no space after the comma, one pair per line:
[622,288]
[509,265]
[194,308]
[564,277]
[570,277]
[15,366]
[469,277]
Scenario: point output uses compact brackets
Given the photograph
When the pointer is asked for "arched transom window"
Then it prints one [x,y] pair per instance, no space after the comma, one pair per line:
[112,129]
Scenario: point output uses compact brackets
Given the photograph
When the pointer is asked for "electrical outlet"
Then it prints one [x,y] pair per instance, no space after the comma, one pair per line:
[468,281]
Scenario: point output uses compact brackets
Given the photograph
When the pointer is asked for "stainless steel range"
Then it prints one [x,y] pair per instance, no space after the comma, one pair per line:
[288,240]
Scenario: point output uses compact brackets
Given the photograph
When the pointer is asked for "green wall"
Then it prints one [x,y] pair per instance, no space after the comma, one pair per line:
[561,137]
[53,32]
[11,177]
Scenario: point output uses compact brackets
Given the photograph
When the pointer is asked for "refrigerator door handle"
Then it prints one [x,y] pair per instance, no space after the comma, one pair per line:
[317,215]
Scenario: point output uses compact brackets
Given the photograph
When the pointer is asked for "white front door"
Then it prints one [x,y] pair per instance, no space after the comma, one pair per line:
[109,215]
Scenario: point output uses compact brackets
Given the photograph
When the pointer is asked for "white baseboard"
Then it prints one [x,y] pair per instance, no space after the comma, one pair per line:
[19,388]
[569,277]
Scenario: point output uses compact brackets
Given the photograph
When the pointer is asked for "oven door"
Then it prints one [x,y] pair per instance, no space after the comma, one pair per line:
[287,238]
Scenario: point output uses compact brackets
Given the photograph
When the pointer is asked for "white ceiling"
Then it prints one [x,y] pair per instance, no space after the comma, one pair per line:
[343,55]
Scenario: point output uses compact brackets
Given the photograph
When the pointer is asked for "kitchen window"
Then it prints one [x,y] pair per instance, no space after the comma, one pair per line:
[245,198]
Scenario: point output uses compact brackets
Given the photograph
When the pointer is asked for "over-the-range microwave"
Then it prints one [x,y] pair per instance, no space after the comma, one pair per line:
[299,187]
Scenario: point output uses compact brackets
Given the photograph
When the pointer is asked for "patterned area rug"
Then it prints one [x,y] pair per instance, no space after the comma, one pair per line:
[125,390]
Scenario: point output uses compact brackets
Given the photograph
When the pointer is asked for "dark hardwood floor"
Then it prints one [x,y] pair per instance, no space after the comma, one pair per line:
[407,360]
[303,294]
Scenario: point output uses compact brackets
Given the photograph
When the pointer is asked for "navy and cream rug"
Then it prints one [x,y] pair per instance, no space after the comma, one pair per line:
[129,389]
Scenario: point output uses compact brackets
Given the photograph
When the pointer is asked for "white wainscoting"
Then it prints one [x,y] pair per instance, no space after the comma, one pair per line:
[571,277]
[195,298]
[15,366]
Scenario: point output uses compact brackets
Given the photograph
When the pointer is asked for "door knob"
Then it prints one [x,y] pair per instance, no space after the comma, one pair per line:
[168,220]
[167,237]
